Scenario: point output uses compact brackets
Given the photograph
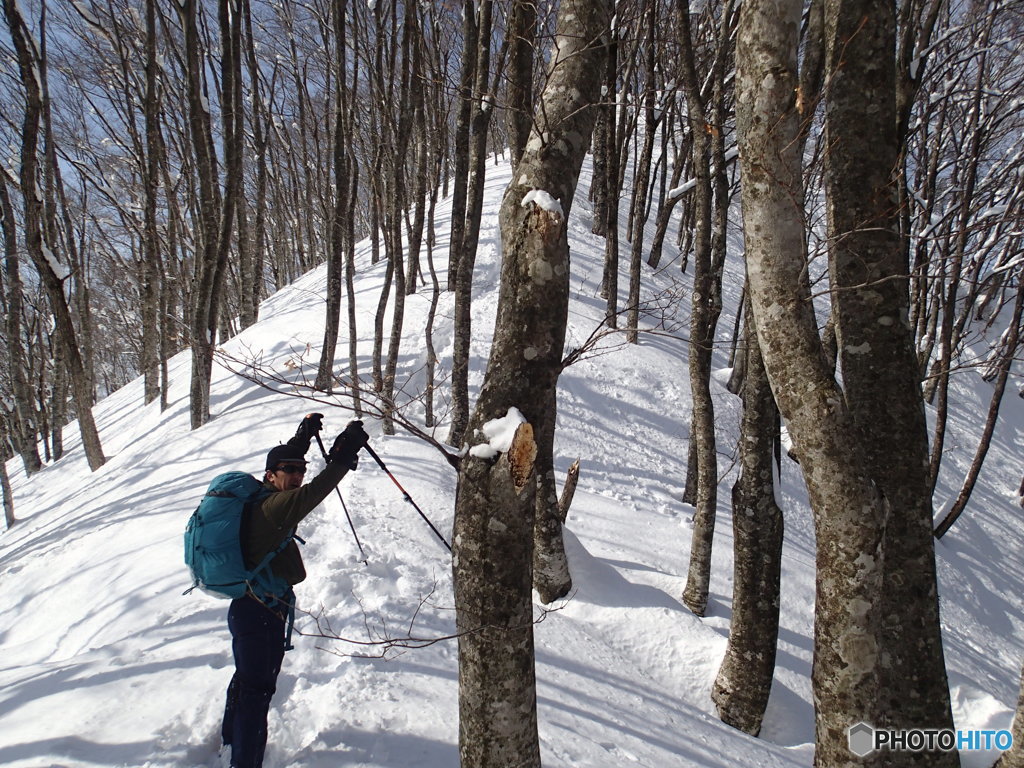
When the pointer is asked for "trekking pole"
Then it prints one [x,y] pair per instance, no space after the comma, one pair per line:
[407,496]
[343,505]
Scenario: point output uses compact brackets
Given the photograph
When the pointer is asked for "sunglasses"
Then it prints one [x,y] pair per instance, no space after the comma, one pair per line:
[291,469]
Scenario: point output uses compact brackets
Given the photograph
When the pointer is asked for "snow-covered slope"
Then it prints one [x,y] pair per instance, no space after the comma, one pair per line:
[105,663]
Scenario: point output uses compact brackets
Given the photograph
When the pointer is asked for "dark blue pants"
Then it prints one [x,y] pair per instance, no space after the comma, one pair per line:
[257,640]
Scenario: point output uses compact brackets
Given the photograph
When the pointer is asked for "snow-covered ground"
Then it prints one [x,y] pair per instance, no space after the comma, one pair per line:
[105,663]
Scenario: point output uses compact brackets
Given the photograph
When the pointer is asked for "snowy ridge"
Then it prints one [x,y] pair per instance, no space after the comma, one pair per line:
[93,625]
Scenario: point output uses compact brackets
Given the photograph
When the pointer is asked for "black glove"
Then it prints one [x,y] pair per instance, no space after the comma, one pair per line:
[309,427]
[346,446]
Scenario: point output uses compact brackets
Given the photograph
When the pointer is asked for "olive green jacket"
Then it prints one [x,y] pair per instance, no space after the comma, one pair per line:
[274,518]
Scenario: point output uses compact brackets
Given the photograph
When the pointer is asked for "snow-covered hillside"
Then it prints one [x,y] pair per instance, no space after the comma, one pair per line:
[105,663]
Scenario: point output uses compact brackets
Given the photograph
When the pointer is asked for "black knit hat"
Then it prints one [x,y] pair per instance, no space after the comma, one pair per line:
[285,452]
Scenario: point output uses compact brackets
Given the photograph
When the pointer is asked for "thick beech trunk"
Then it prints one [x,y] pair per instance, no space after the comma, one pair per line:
[849,513]
[494,513]
[870,301]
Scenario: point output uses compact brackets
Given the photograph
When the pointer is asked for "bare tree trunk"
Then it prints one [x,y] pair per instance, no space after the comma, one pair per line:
[252,268]
[233,129]
[493,548]
[638,208]
[744,680]
[151,288]
[409,68]
[849,513]
[870,299]
[42,256]
[5,479]
[466,260]
[350,289]
[737,352]
[522,30]
[384,141]
[387,390]
[572,478]
[435,138]
[171,335]
[435,296]
[58,400]
[336,257]
[702,327]
[376,367]
[551,576]
[205,296]
[464,113]
[421,162]
[495,501]
[217,211]
[598,180]
[23,421]
[609,200]
[667,206]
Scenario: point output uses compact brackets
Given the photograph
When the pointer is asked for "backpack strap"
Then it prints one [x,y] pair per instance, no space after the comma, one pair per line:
[265,562]
[290,621]
[282,606]
[286,600]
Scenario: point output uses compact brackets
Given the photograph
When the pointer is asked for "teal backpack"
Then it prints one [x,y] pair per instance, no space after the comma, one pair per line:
[213,548]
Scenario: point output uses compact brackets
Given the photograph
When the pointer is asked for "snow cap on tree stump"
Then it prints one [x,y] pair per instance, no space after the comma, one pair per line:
[512,435]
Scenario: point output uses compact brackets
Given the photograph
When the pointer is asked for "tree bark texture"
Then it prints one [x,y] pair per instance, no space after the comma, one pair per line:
[251,240]
[494,514]
[870,301]
[8,494]
[462,208]
[572,478]
[23,419]
[551,577]
[849,513]
[599,165]
[336,257]
[638,208]
[460,150]
[493,549]
[398,196]
[606,207]
[702,327]
[421,161]
[744,680]
[205,297]
[350,290]
[522,28]
[151,287]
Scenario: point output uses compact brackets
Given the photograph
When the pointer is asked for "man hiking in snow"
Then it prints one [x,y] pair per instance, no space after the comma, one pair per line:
[260,620]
